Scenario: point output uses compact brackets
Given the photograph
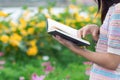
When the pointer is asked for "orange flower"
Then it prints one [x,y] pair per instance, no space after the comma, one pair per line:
[32,42]
[3,14]
[30,30]
[15,39]
[23,23]
[32,51]
[4,38]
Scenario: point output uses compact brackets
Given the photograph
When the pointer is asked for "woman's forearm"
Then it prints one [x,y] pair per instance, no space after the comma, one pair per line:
[109,61]
[106,60]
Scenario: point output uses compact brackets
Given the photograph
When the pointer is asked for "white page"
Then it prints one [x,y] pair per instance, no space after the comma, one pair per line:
[61,27]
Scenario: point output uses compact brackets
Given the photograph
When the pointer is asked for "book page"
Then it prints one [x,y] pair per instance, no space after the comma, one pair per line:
[52,25]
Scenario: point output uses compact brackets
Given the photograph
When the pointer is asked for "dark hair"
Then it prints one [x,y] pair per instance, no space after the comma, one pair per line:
[103,6]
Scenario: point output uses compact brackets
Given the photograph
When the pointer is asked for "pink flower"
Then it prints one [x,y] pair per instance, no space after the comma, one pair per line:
[48,67]
[36,77]
[2,62]
[1,53]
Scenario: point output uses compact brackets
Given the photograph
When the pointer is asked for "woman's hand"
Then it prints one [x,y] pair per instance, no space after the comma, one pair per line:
[89,29]
[64,42]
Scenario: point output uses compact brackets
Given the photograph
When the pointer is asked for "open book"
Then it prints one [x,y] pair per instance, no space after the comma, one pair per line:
[66,32]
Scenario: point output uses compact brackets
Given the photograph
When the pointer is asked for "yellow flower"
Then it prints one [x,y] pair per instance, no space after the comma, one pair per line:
[3,14]
[32,23]
[95,14]
[71,6]
[47,16]
[13,24]
[26,13]
[68,21]
[30,30]
[74,8]
[32,42]
[14,43]
[91,8]
[13,29]
[24,32]
[4,38]
[1,31]
[6,29]
[23,23]
[32,51]
[15,39]
[94,21]
[73,25]
[78,17]
[87,19]
[42,24]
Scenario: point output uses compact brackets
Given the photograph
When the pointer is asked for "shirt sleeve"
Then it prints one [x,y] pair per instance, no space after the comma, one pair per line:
[114,32]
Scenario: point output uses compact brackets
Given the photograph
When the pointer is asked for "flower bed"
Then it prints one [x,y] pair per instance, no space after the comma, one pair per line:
[28,35]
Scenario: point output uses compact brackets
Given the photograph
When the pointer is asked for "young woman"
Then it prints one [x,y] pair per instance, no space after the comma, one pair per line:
[106,59]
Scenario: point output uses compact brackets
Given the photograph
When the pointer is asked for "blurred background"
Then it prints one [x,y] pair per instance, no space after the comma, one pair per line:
[28,52]
[37,3]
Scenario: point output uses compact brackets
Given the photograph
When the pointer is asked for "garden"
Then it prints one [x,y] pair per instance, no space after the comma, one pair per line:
[28,52]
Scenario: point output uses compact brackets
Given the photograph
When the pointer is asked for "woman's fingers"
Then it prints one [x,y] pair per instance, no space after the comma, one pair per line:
[85,32]
[79,33]
[58,38]
[63,41]
[95,34]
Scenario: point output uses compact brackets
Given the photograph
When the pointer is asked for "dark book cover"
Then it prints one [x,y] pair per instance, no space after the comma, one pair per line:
[75,41]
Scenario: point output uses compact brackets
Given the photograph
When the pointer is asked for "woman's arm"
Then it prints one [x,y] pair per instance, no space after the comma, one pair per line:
[106,60]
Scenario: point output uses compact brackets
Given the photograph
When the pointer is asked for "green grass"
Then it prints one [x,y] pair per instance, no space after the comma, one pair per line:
[67,67]
[72,72]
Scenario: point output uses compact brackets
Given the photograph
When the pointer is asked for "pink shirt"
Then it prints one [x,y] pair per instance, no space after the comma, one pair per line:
[109,41]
